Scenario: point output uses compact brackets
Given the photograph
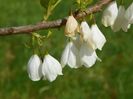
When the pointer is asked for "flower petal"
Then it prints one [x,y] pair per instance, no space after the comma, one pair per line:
[110,14]
[73,58]
[119,20]
[87,55]
[87,34]
[98,37]
[125,25]
[129,14]
[71,26]
[51,68]
[34,66]
[128,18]
[65,54]
[57,65]
[85,30]
[51,77]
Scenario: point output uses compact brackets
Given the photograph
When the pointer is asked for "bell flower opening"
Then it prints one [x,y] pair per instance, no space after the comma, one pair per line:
[51,68]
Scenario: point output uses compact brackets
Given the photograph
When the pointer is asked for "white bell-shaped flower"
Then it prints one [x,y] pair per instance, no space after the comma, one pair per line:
[71,26]
[128,18]
[129,14]
[34,68]
[120,20]
[70,56]
[86,34]
[51,68]
[87,55]
[97,36]
[110,14]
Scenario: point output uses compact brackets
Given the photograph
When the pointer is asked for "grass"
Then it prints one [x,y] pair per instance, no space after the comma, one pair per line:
[110,79]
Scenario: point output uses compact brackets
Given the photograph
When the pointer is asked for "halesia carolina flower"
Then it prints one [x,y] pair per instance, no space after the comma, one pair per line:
[97,36]
[120,20]
[110,14]
[34,68]
[86,34]
[129,14]
[51,68]
[128,18]
[70,56]
[71,26]
[88,56]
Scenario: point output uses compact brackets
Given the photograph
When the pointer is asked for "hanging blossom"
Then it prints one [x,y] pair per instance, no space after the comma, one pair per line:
[88,55]
[128,18]
[51,68]
[129,14]
[110,14]
[118,18]
[70,56]
[98,37]
[34,68]
[121,22]
[92,39]
[81,50]
[71,26]
[93,36]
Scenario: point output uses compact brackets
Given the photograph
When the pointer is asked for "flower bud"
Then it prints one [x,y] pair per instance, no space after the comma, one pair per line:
[71,26]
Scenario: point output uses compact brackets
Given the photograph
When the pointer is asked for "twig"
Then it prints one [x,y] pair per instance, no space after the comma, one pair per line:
[27,29]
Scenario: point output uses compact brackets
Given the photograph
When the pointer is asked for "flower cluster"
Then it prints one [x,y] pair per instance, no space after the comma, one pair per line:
[81,48]
[118,18]
[48,69]
[84,40]
[80,51]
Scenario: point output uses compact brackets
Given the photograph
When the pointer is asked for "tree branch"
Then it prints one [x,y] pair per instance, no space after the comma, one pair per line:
[27,29]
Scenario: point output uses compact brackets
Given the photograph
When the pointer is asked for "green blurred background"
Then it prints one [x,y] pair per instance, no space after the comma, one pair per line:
[110,79]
